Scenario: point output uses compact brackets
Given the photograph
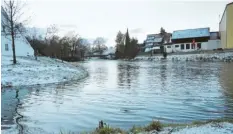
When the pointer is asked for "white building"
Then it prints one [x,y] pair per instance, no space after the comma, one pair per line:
[194,39]
[22,46]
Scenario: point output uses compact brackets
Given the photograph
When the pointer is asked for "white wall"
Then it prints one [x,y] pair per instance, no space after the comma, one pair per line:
[210,45]
[22,47]
[214,44]
[169,48]
[204,46]
[178,49]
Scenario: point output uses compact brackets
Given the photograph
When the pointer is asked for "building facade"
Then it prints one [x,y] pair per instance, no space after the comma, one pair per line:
[156,42]
[226,27]
[190,40]
[22,46]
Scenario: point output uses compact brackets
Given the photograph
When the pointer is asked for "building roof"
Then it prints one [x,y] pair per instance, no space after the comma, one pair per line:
[191,33]
[225,10]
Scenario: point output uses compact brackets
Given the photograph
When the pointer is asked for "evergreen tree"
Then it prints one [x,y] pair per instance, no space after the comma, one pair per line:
[119,45]
[127,44]
[133,47]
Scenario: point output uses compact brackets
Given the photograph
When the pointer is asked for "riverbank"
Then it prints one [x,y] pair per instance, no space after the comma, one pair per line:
[206,57]
[29,71]
[218,126]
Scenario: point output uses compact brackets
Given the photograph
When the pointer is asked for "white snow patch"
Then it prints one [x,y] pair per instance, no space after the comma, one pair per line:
[29,71]
[211,128]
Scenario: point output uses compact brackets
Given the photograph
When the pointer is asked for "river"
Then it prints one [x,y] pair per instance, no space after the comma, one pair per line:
[122,94]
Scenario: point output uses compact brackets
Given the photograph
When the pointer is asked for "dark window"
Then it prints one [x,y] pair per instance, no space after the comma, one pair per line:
[176,45]
[168,46]
[3,28]
[187,46]
[182,46]
[199,45]
[6,47]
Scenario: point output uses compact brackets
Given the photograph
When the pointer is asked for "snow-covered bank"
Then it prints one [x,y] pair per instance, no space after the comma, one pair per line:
[29,71]
[223,57]
[210,128]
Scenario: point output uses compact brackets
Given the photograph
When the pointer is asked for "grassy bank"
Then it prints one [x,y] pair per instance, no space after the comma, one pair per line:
[153,126]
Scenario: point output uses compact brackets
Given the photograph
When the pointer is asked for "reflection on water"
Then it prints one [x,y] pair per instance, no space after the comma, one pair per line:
[122,94]
[127,74]
[19,116]
[226,80]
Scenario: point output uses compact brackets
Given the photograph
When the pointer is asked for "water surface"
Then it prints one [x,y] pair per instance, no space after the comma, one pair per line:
[122,94]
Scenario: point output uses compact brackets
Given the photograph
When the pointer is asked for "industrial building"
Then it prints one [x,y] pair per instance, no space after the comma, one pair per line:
[226,27]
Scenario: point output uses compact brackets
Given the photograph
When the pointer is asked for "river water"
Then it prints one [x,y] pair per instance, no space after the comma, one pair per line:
[122,94]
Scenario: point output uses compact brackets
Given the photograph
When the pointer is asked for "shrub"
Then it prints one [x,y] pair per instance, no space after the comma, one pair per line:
[154,125]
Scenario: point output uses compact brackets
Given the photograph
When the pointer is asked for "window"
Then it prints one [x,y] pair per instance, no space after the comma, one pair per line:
[187,46]
[199,45]
[3,28]
[176,45]
[168,46]
[182,46]
[6,47]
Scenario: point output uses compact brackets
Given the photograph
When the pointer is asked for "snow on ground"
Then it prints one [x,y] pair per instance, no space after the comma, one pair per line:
[29,71]
[228,56]
[211,128]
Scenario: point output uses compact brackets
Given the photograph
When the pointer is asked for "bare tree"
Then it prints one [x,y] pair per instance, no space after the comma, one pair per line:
[99,44]
[52,30]
[32,38]
[73,40]
[11,21]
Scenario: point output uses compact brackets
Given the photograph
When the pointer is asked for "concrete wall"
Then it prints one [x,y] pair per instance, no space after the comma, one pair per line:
[229,24]
[214,44]
[22,47]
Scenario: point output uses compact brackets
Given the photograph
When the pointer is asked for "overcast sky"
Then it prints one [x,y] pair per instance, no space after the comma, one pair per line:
[104,18]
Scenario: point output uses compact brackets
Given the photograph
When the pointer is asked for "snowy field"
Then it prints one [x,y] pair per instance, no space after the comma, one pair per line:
[29,71]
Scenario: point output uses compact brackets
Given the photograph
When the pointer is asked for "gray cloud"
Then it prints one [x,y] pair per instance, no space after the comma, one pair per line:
[137,30]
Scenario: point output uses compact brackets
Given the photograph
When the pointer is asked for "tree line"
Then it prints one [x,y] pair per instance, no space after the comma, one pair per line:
[70,47]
